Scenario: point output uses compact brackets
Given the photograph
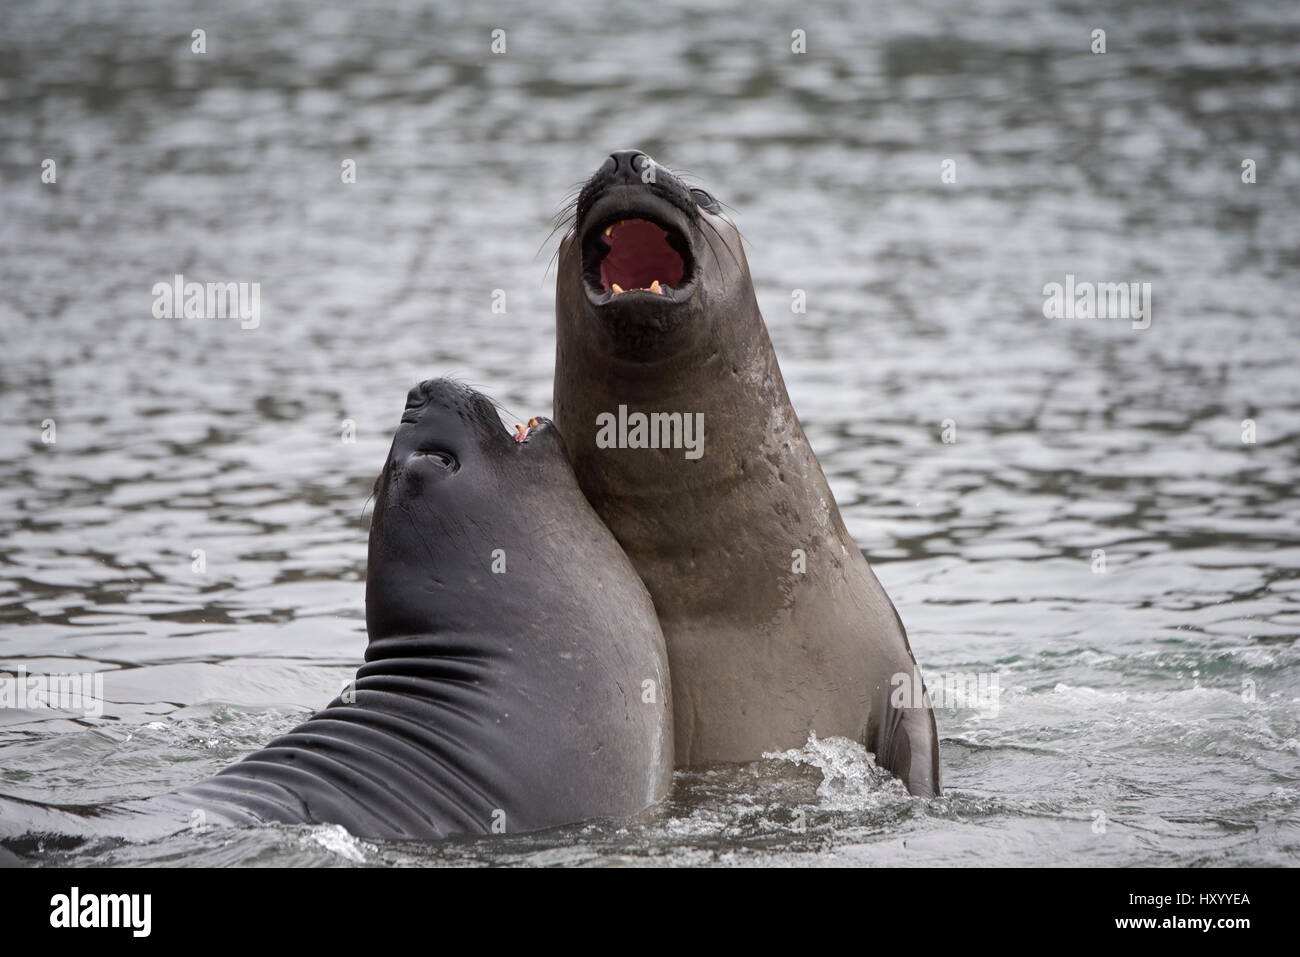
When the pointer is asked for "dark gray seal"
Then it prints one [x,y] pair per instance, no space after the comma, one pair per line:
[488,702]
[715,494]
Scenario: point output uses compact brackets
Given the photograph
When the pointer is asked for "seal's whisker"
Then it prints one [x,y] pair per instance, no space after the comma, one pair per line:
[744,240]
[371,497]
[714,229]
[554,256]
[564,220]
[566,224]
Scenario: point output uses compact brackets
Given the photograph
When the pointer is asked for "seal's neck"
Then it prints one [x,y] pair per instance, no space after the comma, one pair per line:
[757,487]
[729,378]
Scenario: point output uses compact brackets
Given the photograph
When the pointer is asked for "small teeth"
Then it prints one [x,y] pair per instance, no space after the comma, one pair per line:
[532,423]
[654,287]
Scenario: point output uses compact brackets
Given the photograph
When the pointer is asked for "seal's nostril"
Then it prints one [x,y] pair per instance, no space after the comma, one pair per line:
[422,393]
[627,165]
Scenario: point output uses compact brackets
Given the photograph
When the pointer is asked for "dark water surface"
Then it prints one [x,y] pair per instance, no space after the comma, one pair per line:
[1158,699]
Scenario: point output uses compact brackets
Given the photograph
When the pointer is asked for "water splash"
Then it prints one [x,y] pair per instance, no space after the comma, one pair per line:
[336,839]
[851,780]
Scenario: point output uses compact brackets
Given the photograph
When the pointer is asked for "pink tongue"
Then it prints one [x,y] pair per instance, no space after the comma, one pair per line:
[639,254]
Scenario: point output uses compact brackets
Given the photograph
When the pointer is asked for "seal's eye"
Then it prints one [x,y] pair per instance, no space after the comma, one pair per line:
[443,460]
[705,199]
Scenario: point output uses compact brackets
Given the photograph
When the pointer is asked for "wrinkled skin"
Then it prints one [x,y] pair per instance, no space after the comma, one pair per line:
[760,654]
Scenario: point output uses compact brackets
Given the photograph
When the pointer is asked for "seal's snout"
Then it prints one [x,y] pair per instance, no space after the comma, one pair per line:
[444,413]
[445,394]
[625,167]
[431,389]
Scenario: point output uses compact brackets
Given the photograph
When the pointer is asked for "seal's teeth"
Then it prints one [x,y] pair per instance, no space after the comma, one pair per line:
[609,229]
[532,423]
[616,288]
[654,287]
[518,427]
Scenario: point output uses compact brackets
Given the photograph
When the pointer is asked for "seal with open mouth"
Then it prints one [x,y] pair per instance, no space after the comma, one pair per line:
[515,678]
[776,625]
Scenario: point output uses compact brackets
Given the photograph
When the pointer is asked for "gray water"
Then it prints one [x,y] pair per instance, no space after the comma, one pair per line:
[1145,715]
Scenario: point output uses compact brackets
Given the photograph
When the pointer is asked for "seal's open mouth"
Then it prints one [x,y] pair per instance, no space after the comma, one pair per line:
[535,427]
[638,256]
[524,432]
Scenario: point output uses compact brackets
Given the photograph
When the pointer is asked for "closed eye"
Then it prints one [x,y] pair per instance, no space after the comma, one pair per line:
[443,460]
[705,199]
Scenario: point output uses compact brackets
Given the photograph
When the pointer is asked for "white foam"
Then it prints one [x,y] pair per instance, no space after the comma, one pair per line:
[850,777]
[335,839]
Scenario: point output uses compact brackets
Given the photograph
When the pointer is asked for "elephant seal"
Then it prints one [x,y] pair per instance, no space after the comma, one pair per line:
[683,438]
[488,702]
